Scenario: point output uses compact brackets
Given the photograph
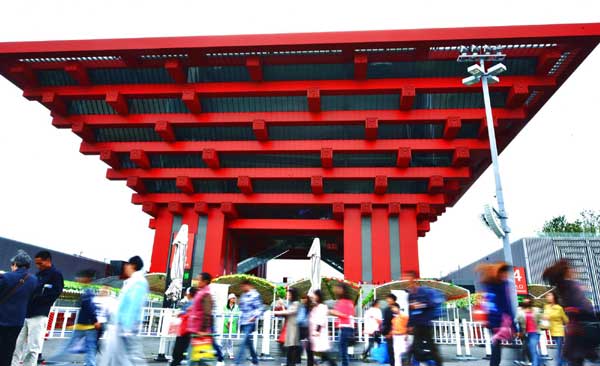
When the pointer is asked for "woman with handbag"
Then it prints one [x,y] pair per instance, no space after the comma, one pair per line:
[554,320]
[317,322]
[292,333]
[582,335]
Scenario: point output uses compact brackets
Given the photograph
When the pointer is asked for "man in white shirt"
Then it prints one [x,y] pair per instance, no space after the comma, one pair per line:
[373,319]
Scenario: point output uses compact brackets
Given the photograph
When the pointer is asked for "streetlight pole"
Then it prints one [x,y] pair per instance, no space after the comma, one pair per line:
[479,73]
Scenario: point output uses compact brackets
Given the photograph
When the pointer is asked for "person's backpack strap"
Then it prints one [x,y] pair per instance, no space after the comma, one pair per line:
[14,289]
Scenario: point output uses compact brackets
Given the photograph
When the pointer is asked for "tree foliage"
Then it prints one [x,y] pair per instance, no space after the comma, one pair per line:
[588,222]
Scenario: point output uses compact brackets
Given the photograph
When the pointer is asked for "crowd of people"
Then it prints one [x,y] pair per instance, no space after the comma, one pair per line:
[402,334]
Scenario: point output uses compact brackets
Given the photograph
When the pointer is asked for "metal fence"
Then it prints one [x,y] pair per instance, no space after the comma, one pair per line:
[157,323]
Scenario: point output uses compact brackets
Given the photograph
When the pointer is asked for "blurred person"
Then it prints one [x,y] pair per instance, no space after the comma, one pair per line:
[556,319]
[302,320]
[84,338]
[498,305]
[373,319]
[200,313]
[230,324]
[400,335]
[182,341]
[581,338]
[317,322]
[16,288]
[422,313]
[251,307]
[105,308]
[50,286]
[292,333]
[344,310]
[386,326]
[124,347]
[528,319]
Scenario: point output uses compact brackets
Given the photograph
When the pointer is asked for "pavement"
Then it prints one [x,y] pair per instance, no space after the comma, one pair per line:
[151,345]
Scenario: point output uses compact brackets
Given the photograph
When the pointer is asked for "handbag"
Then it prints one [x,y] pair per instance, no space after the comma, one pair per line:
[380,353]
[201,349]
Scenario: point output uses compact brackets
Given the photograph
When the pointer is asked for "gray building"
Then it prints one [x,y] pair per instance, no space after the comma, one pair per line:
[536,254]
[68,264]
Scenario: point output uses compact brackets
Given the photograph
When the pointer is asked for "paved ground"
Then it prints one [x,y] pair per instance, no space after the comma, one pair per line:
[449,353]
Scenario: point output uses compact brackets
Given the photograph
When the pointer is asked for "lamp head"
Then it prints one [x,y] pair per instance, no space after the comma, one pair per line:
[497,69]
[476,70]
[471,80]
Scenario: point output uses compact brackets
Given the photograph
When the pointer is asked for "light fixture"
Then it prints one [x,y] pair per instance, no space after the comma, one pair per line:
[471,80]
[495,70]
[475,70]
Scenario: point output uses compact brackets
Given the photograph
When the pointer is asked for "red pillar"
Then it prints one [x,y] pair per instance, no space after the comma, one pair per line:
[352,244]
[380,245]
[162,240]
[409,249]
[214,251]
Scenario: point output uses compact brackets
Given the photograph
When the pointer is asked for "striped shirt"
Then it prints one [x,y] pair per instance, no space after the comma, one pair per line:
[251,307]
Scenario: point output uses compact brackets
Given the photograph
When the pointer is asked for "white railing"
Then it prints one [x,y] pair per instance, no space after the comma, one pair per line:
[155,322]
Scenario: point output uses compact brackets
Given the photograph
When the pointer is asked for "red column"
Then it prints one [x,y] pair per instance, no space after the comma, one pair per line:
[352,244]
[162,240]
[380,245]
[214,251]
[409,249]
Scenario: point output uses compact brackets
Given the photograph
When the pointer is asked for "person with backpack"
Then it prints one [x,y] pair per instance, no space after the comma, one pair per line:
[16,288]
[424,307]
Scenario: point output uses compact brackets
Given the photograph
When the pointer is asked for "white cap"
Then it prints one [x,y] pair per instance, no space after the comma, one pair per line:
[232,296]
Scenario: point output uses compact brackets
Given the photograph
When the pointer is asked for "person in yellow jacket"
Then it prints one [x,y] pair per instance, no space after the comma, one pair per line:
[399,333]
[555,320]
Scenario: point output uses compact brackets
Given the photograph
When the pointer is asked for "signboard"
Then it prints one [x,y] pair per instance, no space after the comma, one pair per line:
[520,281]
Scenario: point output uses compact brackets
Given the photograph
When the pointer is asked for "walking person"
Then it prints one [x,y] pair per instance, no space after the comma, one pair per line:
[498,302]
[16,288]
[292,333]
[317,322]
[200,314]
[344,310]
[231,313]
[386,326]
[31,337]
[528,319]
[84,338]
[373,319]
[251,307]
[400,335]
[556,319]
[422,312]
[580,340]
[105,309]
[124,347]
[302,321]
[182,341]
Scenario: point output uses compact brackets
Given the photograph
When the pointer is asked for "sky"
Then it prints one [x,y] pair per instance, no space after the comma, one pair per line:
[52,196]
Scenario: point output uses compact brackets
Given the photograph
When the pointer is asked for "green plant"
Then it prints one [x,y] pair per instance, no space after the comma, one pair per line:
[368,299]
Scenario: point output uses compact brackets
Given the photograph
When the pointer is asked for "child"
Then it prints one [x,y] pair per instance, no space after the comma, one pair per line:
[399,322]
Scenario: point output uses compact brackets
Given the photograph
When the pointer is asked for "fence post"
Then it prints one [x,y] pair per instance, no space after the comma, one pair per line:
[466,337]
[544,345]
[163,332]
[255,337]
[457,337]
[266,338]
[488,343]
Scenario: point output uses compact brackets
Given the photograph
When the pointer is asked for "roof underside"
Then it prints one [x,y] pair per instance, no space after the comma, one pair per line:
[303,114]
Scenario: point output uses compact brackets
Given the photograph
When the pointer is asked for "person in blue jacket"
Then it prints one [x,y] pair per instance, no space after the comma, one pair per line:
[16,288]
[50,286]
[85,337]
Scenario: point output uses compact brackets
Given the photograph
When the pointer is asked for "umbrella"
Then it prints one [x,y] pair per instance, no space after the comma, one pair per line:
[315,265]
[178,264]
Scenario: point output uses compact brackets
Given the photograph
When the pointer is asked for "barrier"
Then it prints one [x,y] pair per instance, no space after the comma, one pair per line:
[155,322]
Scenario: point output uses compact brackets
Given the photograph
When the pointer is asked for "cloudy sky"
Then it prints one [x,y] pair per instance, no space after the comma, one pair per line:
[51,195]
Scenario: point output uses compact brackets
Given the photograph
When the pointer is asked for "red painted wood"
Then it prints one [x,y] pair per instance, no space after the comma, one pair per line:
[111,158]
[380,245]
[461,157]
[259,127]
[54,102]
[436,184]
[211,158]
[78,72]
[140,158]
[517,95]
[381,184]
[244,183]
[176,70]
[191,99]
[409,247]
[407,96]
[366,208]
[116,100]
[137,184]
[165,130]
[175,207]
[215,243]
[327,157]
[316,184]
[84,131]
[285,224]
[452,127]
[201,208]
[338,210]
[313,96]
[360,66]
[371,126]
[254,66]
[352,244]
[404,157]
[184,184]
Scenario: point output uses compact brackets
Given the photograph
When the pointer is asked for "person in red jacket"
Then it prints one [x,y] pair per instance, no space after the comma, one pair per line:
[182,342]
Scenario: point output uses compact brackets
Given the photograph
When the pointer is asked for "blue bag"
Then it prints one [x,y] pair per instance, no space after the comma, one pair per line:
[379,354]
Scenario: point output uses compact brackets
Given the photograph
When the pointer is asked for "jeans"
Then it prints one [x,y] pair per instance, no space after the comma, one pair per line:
[30,341]
[86,338]
[8,341]
[559,346]
[496,353]
[389,343]
[247,330]
[533,339]
[346,334]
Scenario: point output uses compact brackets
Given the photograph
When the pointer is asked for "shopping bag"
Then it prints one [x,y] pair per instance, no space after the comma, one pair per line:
[201,350]
[379,354]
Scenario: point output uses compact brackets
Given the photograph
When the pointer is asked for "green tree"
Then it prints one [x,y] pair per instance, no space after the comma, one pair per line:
[588,222]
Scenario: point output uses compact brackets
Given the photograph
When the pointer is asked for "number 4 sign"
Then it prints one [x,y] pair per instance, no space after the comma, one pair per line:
[520,281]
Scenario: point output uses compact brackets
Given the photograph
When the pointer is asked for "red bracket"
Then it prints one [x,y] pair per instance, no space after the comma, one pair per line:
[381,184]
[361,62]
[371,126]
[461,156]
[78,72]
[140,158]
[137,184]
[244,183]
[314,100]
[404,157]
[177,71]
[184,184]
[452,127]
[316,184]
[84,131]
[327,157]
[118,102]
[111,158]
[254,66]
[407,98]
[191,99]
[211,158]
[164,129]
[259,127]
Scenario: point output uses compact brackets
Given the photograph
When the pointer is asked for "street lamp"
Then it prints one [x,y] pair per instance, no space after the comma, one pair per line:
[481,54]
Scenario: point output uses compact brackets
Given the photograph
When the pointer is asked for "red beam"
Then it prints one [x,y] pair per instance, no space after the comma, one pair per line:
[78,72]
[117,101]
[291,198]
[254,66]
[111,158]
[404,157]
[327,157]
[371,127]
[517,95]
[452,127]
[287,146]
[184,184]
[137,184]
[140,158]
[259,127]
[244,183]
[360,66]
[165,130]
[380,245]
[285,224]
[176,70]
[23,75]
[381,184]
[210,158]
[316,184]
[287,118]
[294,173]
[407,88]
